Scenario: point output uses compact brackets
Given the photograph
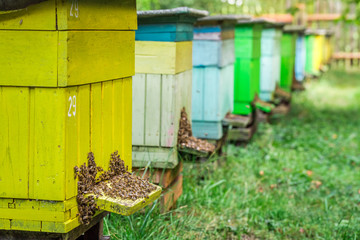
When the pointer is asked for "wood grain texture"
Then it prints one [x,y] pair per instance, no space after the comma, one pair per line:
[74,15]
[52,59]
[157,113]
[163,57]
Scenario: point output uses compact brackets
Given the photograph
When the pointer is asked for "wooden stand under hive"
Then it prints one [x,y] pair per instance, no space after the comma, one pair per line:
[65,91]
[213,75]
[161,89]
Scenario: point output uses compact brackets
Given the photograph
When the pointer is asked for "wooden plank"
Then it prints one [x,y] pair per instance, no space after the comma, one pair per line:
[34,215]
[154,157]
[153,109]
[198,95]
[172,194]
[48,164]
[25,225]
[96,137]
[72,138]
[163,57]
[39,16]
[169,122]
[165,36]
[160,176]
[212,95]
[4,224]
[14,141]
[107,124]
[138,110]
[106,55]
[126,109]
[110,14]
[74,15]
[28,58]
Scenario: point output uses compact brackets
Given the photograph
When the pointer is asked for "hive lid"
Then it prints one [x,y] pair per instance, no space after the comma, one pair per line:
[126,207]
[253,21]
[294,29]
[274,24]
[222,19]
[180,14]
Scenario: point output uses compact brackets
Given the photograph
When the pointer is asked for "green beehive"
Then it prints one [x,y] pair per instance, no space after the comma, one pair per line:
[247,64]
[288,48]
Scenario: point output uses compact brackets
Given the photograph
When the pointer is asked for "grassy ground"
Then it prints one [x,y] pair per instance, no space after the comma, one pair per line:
[299,178]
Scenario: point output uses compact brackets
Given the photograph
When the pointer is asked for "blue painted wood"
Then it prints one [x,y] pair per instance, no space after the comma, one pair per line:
[207,130]
[207,29]
[212,92]
[213,53]
[300,58]
[164,36]
[270,62]
[170,27]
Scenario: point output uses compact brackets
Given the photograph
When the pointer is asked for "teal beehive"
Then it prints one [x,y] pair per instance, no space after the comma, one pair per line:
[213,74]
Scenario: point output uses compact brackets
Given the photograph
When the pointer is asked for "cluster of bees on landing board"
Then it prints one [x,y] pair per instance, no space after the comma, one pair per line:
[186,139]
[117,182]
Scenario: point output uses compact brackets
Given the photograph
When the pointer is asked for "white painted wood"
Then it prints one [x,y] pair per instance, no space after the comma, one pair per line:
[138,107]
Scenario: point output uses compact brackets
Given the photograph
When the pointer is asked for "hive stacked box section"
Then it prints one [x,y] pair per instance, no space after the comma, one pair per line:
[162,84]
[314,51]
[161,89]
[247,64]
[288,51]
[65,91]
[213,74]
[270,60]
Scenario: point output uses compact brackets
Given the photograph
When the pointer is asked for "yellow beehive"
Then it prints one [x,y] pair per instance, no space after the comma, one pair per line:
[65,90]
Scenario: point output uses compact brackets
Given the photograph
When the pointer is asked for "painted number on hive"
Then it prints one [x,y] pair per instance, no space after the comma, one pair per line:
[74,9]
[72,108]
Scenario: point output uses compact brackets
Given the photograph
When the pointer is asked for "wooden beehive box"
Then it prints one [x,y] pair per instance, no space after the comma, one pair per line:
[162,84]
[300,58]
[247,64]
[270,60]
[213,74]
[288,50]
[65,90]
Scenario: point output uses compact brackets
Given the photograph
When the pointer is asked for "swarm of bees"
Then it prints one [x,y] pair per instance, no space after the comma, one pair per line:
[117,182]
[186,139]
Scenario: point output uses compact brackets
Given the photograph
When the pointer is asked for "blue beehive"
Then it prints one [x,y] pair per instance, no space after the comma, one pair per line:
[213,74]
[270,60]
[300,58]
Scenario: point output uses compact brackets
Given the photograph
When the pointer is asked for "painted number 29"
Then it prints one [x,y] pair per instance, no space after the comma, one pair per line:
[72,108]
[74,9]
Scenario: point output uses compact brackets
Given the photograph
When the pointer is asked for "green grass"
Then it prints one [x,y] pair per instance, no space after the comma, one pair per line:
[299,178]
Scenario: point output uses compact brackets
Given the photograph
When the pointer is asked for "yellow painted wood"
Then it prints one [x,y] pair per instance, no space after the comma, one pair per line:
[73,14]
[56,227]
[4,224]
[57,206]
[34,215]
[14,142]
[65,58]
[90,14]
[36,17]
[126,207]
[163,57]
[25,225]
[95,56]
[48,165]
[64,124]
[28,58]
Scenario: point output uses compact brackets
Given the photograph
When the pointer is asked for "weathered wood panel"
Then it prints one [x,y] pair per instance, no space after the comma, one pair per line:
[213,53]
